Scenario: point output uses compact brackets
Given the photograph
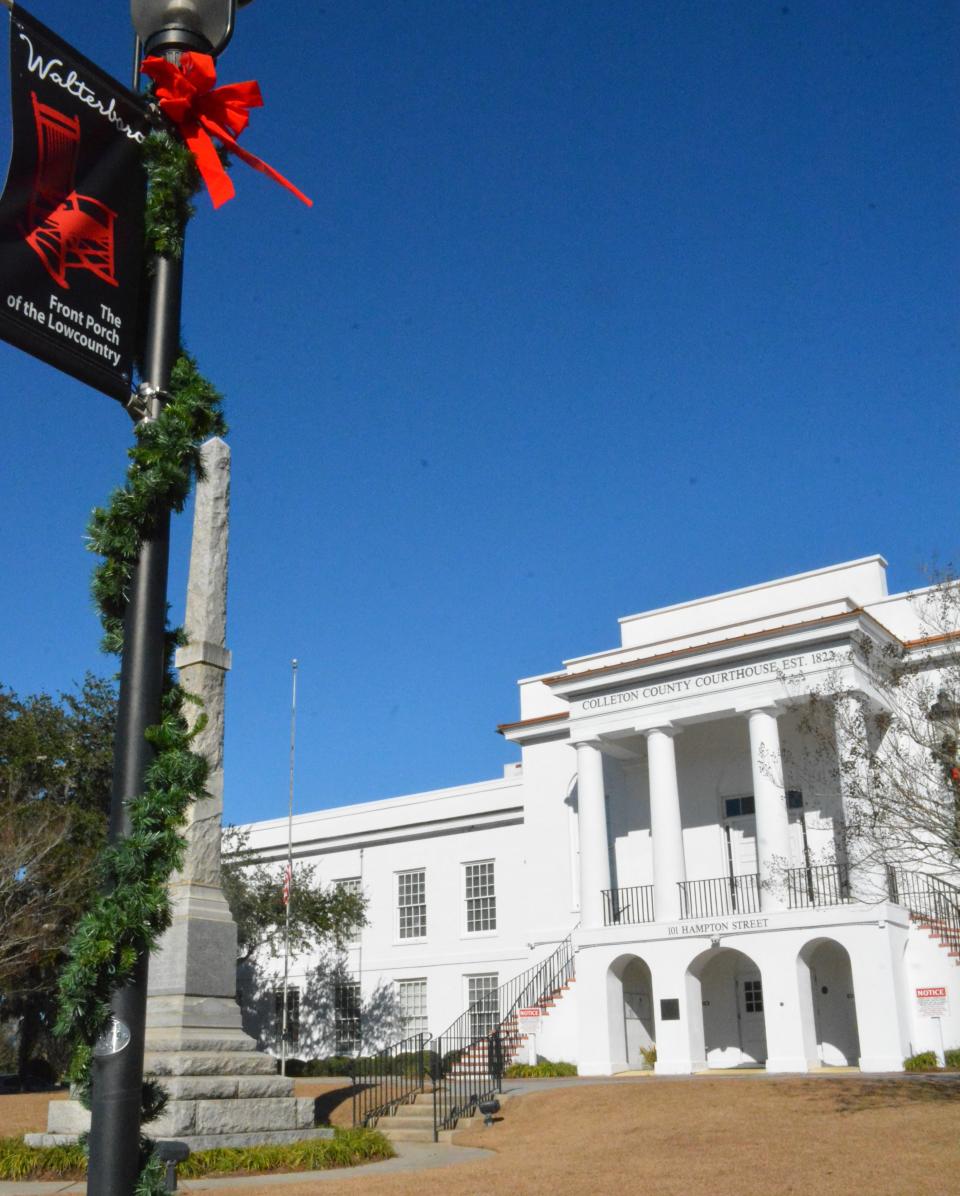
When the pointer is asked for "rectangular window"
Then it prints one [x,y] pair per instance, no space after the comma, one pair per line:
[481,897]
[346,1017]
[753,996]
[413,1006]
[412,904]
[483,1005]
[738,807]
[352,885]
[293,1014]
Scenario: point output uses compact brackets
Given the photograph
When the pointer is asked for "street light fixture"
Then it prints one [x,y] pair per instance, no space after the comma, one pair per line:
[203,25]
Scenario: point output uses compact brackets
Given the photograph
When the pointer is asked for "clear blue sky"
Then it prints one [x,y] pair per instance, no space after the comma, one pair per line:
[601,306]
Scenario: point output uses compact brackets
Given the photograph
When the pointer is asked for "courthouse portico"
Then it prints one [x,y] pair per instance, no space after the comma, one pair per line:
[676,835]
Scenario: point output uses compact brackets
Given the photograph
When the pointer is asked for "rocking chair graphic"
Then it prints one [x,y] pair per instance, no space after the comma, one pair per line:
[67,231]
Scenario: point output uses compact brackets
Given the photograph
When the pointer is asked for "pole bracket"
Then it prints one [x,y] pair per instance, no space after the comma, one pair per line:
[146,402]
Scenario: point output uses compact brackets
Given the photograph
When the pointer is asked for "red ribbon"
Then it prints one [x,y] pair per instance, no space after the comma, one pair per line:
[187,96]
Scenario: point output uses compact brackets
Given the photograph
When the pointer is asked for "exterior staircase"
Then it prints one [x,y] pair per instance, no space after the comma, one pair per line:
[413,1122]
[512,1037]
[933,905]
[420,1088]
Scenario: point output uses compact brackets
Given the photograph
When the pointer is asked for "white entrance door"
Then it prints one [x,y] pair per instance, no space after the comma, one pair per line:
[838,1043]
[753,1034]
[742,844]
[637,1016]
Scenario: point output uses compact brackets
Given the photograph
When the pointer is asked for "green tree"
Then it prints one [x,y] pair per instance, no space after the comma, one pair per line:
[55,773]
[319,916]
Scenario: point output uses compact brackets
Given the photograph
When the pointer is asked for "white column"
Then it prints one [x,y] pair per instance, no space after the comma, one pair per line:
[862,860]
[666,829]
[773,826]
[594,846]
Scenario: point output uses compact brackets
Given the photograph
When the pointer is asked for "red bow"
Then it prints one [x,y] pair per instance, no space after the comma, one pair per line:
[188,98]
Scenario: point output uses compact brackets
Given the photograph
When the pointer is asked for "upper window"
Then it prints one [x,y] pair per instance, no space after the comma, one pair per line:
[352,885]
[412,904]
[481,897]
[737,807]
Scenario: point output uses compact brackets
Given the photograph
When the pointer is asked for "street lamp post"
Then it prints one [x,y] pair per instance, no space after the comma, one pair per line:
[166,27]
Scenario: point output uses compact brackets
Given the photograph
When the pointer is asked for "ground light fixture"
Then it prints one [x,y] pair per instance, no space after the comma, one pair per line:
[172,1152]
[488,1108]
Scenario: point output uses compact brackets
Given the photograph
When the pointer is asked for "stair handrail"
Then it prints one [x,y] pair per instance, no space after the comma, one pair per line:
[470,1061]
[927,896]
[378,1087]
[515,994]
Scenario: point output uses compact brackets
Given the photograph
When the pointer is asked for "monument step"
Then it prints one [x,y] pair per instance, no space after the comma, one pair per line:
[208,1063]
[225,1087]
[221,1039]
[216,1117]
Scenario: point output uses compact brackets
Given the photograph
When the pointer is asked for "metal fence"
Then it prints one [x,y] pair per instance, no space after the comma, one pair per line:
[622,907]
[720,895]
[467,1070]
[820,884]
[390,1077]
[928,898]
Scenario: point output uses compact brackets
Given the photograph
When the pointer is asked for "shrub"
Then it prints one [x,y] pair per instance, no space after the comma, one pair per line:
[952,1059]
[924,1061]
[333,1065]
[545,1068]
[19,1161]
[347,1148]
[649,1055]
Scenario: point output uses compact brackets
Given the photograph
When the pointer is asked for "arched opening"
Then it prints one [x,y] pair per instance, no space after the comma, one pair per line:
[834,1005]
[731,996]
[631,976]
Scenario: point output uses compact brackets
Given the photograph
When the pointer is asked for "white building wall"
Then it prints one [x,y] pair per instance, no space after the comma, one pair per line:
[837,981]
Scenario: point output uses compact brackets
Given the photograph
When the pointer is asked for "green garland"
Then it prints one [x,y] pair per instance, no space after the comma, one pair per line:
[133,908]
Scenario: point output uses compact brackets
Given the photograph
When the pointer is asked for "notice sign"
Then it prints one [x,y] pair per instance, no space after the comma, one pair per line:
[529,1015]
[932,1002]
[71,213]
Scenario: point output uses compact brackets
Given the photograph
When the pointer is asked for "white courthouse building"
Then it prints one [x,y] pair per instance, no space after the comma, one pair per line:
[663,820]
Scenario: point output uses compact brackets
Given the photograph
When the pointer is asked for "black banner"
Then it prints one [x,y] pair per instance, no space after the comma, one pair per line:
[71,214]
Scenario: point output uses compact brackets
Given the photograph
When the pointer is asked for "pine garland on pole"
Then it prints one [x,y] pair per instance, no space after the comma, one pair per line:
[133,908]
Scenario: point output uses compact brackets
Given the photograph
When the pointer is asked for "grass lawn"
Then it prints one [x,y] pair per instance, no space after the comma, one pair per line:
[731,1137]
[660,1137]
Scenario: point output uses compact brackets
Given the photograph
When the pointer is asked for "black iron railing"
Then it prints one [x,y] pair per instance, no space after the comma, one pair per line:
[820,884]
[720,895]
[622,907]
[472,1053]
[389,1078]
[929,899]
[467,1070]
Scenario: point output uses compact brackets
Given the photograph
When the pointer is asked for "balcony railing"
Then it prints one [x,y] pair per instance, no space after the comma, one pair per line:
[820,884]
[623,907]
[720,895]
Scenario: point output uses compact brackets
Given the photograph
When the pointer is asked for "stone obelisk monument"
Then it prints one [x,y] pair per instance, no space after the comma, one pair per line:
[223,1091]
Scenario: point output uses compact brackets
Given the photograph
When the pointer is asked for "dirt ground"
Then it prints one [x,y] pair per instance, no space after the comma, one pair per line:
[660,1137]
[25,1112]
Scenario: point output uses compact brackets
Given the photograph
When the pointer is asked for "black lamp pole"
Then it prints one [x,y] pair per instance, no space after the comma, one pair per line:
[166,27]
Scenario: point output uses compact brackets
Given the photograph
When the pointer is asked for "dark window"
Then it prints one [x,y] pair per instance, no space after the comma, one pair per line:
[346,1017]
[794,799]
[752,996]
[736,807]
[293,1014]
[670,1009]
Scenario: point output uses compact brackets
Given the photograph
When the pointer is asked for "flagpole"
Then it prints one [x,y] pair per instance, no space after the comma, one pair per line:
[288,878]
